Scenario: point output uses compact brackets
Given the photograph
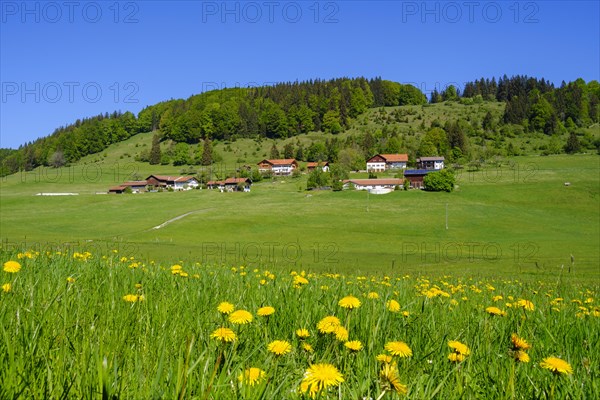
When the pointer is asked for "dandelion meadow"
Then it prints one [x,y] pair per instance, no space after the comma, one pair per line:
[93,326]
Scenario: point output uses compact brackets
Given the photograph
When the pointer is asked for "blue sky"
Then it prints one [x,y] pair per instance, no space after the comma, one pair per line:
[60,61]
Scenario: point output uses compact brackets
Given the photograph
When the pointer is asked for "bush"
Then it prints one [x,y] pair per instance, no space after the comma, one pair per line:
[440,181]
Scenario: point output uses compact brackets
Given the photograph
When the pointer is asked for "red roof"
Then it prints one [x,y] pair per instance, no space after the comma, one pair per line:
[166,178]
[235,181]
[283,161]
[395,157]
[315,164]
[135,183]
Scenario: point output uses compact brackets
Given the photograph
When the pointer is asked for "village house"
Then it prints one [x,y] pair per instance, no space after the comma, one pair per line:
[384,162]
[415,177]
[324,165]
[231,185]
[173,182]
[376,186]
[278,167]
[430,163]
[135,186]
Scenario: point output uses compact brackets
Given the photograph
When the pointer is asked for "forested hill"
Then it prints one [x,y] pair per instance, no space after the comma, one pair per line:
[288,109]
[278,111]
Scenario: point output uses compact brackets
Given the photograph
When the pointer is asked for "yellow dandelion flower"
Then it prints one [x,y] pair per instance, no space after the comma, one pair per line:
[225,308]
[341,333]
[385,358]
[131,298]
[526,304]
[319,377]
[349,302]
[224,335]
[354,345]
[495,311]
[307,347]
[372,295]
[328,324]
[390,379]
[12,267]
[279,347]
[7,287]
[459,347]
[302,333]
[240,317]
[252,376]
[265,311]
[556,365]
[300,280]
[399,349]
[456,357]
[393,306]
[520,356]
[70,279]
[497,298]
[405,314]
[519,343]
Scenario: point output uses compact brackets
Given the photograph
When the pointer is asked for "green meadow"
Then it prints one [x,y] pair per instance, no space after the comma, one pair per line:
[514,217]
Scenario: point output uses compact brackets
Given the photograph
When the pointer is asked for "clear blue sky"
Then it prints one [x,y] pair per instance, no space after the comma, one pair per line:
[61,61]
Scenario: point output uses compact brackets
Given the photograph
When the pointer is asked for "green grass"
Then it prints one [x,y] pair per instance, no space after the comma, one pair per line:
[81,339]
[517,217]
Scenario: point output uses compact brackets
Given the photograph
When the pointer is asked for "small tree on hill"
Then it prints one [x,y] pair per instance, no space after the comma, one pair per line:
[573,145]
[155,153]
[439,181]
[207,152]
[274,152]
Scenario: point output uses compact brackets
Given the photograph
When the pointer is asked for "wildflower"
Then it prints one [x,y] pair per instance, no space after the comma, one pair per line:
[354,345]
[307,347]
[252,376]
[12,267]
[225,308]
[131,298]
[70,279]
[328,324]
[265,311]
[341,333]
[302,333]
[519,343]
[497,298]
[384,358]
[520,356]
[240,317]
[319,377]
[390,380]
[279,347]
[7,287]
[372,295]
[393,306]
[556,365]
[300,280]
[405,314]
[400,349]
[460,351]
[526,304]
[495,311]
[349,302]
[224,335]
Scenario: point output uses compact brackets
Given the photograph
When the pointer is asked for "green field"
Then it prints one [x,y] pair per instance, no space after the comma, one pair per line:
[517,217]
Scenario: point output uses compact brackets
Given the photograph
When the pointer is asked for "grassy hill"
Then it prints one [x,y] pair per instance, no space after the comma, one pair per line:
[516,216]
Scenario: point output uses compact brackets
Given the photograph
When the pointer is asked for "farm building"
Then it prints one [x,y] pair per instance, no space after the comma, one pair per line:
[135,186]
[174,182]
[415,177]
[324,165]
[231,185]
[384,162]
[279,167]
[430,163]
[377,186]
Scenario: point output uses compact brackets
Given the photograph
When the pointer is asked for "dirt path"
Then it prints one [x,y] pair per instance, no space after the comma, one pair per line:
[178,218]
